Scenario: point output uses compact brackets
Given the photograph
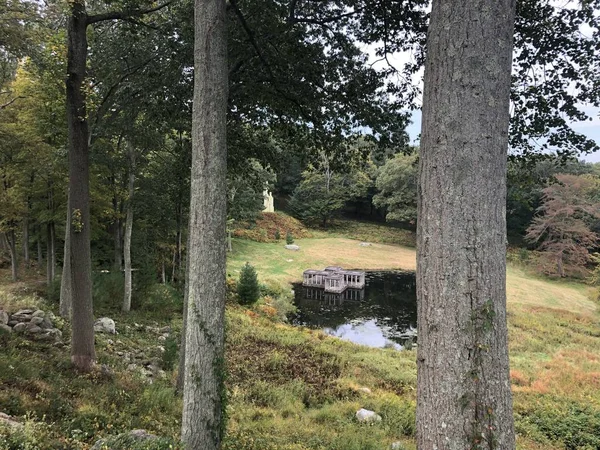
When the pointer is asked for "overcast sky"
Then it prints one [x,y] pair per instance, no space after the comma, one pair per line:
[591,129]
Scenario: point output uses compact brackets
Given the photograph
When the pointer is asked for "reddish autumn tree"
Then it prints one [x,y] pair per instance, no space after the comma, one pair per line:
[562,227]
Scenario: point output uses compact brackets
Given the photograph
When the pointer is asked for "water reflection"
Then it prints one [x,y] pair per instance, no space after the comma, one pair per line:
[383,314]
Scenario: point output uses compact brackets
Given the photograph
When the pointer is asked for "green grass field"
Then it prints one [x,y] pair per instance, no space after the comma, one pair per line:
[293,388]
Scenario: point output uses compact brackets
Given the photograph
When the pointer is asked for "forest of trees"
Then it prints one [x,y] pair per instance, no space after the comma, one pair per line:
[106,106]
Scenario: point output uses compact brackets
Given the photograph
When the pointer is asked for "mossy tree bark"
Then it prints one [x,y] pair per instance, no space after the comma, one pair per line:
[463,396]
[204,359]
[83,354]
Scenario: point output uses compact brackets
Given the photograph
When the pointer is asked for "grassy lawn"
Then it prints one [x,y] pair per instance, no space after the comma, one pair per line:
[297,389]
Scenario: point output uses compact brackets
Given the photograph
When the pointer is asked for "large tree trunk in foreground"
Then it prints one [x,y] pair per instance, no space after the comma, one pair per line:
[463,395]
[202,425]
[128,230]
[66,293]
[83,354]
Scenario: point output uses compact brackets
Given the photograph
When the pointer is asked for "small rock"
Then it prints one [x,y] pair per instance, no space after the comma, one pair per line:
[24,311]
[105,325]
[289,260]
[160,348]
[110,342]
[365,244]
[8,420]
[366,390]
[163,337]
[33,330]
[120,353]
[293,247]
[20,327]
[367,416]
[132,367]
[21,317]
[3,318]
[166,329]
[36,320]
[397,446]
[5,328]
[12,323]
[39,313]
[112,443]
[46,324]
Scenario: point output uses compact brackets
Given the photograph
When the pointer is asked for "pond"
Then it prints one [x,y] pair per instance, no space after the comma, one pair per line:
[383,314]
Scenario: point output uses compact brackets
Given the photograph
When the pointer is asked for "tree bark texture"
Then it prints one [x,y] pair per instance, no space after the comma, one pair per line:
[463,395]
[65,280]
[202,425]
[129,229]
[83,354]
[26,238]
[12,247]
[51,254]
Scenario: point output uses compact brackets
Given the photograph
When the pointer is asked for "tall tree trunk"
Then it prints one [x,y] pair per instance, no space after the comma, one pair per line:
[163,273]
[83,354]
[117,235]
[51,254]
[66,292]
[202,424]
[181,371]
[463,390]
[26,239]
[40,255]
[129,229]
[12,247]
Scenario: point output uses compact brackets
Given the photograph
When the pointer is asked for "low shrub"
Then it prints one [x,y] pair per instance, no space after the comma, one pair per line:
[289,239]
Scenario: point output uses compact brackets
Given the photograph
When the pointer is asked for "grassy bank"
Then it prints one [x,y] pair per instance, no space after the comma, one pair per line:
[299,389]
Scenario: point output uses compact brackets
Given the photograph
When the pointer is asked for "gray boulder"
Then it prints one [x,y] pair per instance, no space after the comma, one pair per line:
[105,325]
[367,416]
[20,327]
[5,328]
[125,441]
[293,247]
[39,313]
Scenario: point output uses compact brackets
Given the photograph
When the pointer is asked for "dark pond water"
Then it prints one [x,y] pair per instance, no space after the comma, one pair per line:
[383,314]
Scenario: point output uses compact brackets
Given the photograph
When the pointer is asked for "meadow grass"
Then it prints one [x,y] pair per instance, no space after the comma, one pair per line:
[294,388]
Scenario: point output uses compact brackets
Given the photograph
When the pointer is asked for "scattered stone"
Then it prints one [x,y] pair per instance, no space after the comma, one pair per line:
[163,337]
[120,353]
[366,390]
[367,416]
[34,329]
[132,367]
[110,342]
[24,312]
[397,446]
[3,318]
[9,420]
[365,244]
[293,247]
[47,324]
[20,327]
[5,328]
[12,323]
[289,260]
[36,320]
[39,313]
[166,329]
[124,441]
[105,325]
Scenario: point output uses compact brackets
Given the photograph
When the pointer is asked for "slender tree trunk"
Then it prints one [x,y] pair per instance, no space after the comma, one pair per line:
[12,247]
[202,424]
[83,354]
[66,292]
[559,265]
[129,229]
[229,246]
[40,255]
[117,235]
[51,254]
[26,239]
[163,273]
[463,390]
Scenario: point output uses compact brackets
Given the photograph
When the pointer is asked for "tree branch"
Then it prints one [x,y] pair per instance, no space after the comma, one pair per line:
[7,104]
[125,14]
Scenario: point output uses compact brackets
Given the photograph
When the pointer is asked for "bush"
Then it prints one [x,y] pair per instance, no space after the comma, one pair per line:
[277,235]
[289,239]
[248,289]
[170,355]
